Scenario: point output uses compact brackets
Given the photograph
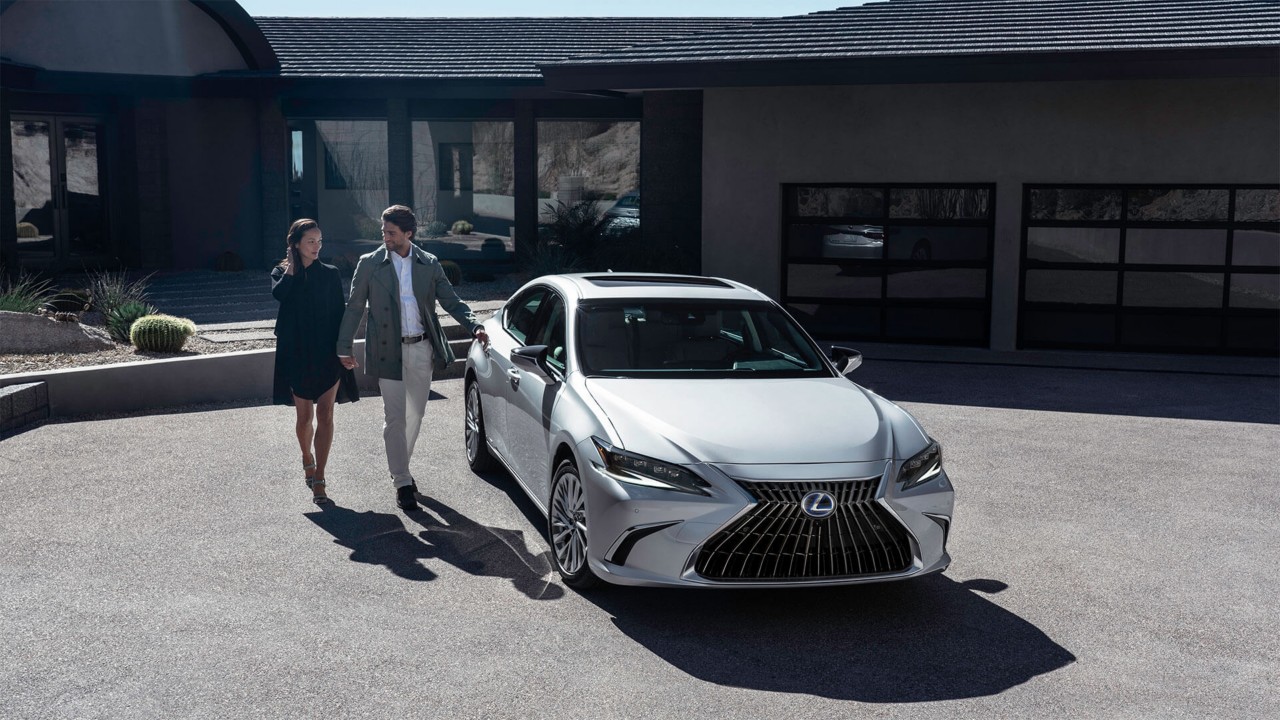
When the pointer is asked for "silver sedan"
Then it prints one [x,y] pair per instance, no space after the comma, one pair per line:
[685,431]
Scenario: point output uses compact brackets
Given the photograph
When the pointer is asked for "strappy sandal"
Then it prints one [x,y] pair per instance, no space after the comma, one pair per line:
[321,498]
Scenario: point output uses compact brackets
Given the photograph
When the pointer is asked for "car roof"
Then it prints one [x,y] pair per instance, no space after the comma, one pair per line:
[658,286]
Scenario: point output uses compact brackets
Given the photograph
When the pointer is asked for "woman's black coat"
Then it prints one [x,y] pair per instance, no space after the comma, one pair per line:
[311,307]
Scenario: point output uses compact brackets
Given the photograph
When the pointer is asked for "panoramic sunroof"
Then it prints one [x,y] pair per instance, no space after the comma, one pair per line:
[620,280]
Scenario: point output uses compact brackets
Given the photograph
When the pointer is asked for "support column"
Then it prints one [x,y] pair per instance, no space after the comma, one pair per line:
[526,177]
[8,213]
[671,176]
[273,140]
[399,153]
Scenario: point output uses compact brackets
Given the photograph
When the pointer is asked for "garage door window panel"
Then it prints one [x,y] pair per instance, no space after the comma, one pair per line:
[1073,245]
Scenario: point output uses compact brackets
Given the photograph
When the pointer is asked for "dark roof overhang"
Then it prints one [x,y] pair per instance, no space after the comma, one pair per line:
[1003,67]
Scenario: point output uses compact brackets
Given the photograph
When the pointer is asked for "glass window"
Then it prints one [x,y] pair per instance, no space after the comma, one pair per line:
[917,242]
[551,333]
[1082,287]
[851,242]
[587,161]
[1256,291]
[1157,246]
[522,312]
[940,283]
[1060,327]
[942,324]
[833,281]
[1173,289]
[1172,331]
[664,338]
[939,203]
[1258,205]
[465,172]
[32,189]
[837,202]
[1255,247]
[1178,204]
[354,192]
[1075,204]
[1073,245]
[838,321]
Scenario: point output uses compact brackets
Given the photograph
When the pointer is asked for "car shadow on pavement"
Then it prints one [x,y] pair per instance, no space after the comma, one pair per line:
[916,641]
[445,535]
[1108,392]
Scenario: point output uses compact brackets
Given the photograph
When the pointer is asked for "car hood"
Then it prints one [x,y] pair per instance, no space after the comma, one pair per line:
[750,421]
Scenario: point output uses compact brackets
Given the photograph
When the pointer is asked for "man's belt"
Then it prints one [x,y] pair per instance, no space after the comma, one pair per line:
[411,339]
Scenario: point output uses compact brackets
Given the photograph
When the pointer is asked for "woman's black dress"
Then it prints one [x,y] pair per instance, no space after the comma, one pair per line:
[311,307]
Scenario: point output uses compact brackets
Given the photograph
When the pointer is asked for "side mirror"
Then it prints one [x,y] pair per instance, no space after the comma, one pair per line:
[533,359]
[846,359]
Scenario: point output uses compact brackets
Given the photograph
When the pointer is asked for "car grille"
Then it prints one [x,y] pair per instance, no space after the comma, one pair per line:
[776,540]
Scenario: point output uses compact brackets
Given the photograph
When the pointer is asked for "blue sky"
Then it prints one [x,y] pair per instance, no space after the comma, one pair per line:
[538,8]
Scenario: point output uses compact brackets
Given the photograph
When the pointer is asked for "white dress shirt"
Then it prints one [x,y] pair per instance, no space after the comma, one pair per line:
[410,318]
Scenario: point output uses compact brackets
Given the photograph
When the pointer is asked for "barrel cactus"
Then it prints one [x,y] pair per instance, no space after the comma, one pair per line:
[120,319]
[161,333]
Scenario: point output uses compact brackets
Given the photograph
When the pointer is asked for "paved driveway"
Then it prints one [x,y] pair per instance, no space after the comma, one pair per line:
[1115,556]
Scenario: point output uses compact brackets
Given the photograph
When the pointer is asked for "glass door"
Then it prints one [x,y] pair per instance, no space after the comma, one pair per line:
[58,190]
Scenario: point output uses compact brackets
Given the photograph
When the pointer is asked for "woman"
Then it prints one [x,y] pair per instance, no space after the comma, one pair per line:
[308,375]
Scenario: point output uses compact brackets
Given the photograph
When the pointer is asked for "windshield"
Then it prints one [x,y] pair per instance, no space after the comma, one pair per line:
[703,339]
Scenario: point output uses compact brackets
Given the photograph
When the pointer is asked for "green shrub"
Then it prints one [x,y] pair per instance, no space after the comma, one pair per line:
[26,294]
[435,229]
[111,290]
[462,227]
[121,318]
[452,272]
[576,227]
[27,230]
[161,333]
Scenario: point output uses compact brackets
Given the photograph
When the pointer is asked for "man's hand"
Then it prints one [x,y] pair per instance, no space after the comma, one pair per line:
[348,362]
[482,336]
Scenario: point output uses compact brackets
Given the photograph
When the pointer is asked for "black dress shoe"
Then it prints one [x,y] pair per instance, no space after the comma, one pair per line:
[405,498]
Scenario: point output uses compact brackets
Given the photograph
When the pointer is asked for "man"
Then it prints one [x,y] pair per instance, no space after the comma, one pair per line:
[401,284]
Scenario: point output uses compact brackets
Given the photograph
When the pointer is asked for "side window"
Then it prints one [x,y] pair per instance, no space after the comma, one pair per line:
[521,313]
[551,333]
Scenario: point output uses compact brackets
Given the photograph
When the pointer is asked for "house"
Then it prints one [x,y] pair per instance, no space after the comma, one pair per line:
[1095,174]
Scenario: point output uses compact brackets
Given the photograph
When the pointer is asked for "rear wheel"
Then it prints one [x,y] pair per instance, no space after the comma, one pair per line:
[478,456]
[567,528]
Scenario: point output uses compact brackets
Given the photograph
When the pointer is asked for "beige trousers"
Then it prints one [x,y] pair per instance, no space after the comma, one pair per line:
[404,402]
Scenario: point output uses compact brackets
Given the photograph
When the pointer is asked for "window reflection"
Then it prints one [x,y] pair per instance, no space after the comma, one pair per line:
[939,203]
[1255,247]
[837,202]
[941,283]
[1178,204]
[1255,291]
[1153,246]
[1069,244]
[354,193]
[1173,289]
[465,171]
[832,281]
[1075,204]
[917,242]
[1258,205]
[1084,287]
[593,161]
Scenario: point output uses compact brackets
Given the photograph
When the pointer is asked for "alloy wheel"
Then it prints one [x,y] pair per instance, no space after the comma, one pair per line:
[569,523]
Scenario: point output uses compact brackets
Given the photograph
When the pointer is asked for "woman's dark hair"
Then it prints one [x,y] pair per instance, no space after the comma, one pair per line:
[296,231]
[402,217]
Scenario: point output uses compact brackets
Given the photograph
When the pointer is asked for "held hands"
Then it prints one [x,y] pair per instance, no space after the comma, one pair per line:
[348,362]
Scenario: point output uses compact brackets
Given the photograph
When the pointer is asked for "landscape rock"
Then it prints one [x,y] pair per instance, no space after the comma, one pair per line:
[27,333]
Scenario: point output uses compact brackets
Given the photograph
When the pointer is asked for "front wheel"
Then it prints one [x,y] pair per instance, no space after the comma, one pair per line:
[567,528]
[478,456]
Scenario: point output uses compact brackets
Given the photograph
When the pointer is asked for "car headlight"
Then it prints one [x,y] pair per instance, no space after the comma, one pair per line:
[923,467]
[647,472]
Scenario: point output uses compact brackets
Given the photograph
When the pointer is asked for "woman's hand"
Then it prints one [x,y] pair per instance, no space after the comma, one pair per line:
[348,362]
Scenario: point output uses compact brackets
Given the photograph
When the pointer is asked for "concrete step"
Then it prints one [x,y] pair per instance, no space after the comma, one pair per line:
[22,406]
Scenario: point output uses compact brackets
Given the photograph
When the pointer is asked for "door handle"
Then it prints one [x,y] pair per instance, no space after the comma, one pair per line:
[514,376]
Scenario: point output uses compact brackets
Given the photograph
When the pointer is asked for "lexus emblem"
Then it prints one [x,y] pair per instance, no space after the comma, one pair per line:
[818,504]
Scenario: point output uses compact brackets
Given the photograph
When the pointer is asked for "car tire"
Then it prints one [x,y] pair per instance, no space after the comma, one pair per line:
[567,528]
[473,435]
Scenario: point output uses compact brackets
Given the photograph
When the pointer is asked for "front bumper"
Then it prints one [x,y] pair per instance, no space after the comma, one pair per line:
[646,536]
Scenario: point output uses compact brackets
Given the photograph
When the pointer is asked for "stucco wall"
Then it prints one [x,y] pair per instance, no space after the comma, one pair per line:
[1141,131]
[142,37]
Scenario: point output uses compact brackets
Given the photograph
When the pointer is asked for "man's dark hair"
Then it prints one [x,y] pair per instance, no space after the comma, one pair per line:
[402,217]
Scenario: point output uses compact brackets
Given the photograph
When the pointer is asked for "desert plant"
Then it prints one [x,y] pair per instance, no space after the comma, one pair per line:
[452,272]
[27,230]
[577,227]
[462,227]
[548,258]
[26,294]
[111,290]
[121,318]
[161,333]
[435,229]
